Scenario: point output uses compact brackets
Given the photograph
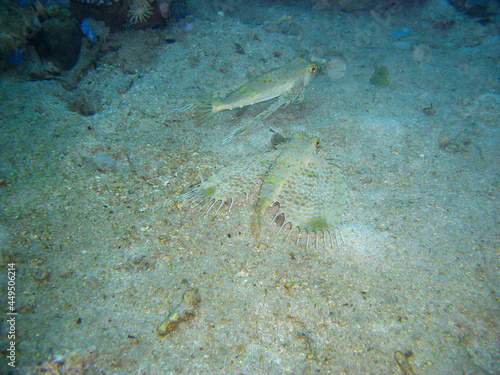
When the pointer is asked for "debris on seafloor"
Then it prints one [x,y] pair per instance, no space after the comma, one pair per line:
[239,49]
[71,362]
[429,110]
[183,312]
[403,361]
[454,143]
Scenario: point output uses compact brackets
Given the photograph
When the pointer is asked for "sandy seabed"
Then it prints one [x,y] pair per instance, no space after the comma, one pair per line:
[102,254]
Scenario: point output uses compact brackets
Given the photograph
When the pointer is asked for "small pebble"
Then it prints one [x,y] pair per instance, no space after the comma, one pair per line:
[104,162]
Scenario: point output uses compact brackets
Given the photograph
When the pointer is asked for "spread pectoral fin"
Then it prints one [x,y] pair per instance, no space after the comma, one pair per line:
[313,198]
[230,182]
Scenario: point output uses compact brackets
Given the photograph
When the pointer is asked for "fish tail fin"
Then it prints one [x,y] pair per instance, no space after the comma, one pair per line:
[204,109]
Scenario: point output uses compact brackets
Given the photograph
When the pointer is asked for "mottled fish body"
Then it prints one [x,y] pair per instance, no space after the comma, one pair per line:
[299,152]
[310,191]
[270,85]
[286,83]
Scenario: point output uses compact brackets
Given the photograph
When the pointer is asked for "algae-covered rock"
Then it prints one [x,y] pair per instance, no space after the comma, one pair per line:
[59,39]
[380,76]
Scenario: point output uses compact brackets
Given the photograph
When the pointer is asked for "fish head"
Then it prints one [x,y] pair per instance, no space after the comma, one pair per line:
[308,145]
[309,72]
[302,71]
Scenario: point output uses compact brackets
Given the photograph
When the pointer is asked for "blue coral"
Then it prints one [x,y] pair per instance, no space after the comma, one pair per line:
[87,31]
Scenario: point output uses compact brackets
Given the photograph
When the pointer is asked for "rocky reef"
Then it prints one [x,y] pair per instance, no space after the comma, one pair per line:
[52,30]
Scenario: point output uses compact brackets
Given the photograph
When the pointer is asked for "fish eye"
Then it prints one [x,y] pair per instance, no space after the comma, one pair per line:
[312,68]
[316,143]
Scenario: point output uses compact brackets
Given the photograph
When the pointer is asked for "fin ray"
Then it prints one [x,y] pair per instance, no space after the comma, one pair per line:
[203,109]
[256,120]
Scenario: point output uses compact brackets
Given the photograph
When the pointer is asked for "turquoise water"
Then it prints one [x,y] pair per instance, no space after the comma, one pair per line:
[92,160]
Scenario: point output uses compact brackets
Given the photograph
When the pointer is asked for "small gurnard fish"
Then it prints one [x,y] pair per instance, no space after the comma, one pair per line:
[310,191]
[287,84]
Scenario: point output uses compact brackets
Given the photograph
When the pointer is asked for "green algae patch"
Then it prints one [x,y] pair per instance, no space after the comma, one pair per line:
[380,77]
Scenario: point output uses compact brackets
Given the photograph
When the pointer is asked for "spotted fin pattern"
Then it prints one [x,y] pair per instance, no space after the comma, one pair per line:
[313,199]
[310,191]
[230,182]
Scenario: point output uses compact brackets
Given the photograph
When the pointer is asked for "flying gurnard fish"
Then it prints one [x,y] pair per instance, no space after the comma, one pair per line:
[309,189]
[285,84]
